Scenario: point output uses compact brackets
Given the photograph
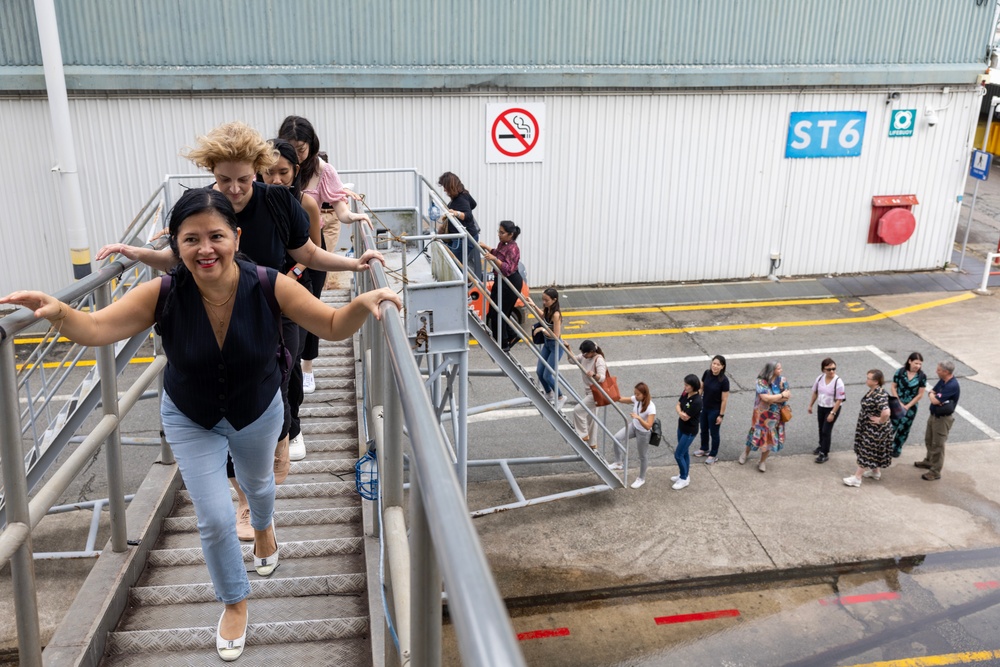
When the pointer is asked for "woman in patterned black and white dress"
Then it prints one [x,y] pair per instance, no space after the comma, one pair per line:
[873,437]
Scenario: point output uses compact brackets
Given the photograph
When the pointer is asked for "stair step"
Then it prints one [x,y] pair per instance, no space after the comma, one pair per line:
[306,549]
[323,411]
[317,566]
[295,491]
[184,509]
[330,395]
[203,637]
[282,518]
[352,652]
[333,584]
[331,426]
[339,443]
[307,532]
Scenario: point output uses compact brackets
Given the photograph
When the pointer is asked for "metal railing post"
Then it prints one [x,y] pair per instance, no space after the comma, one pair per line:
[15,485]
[166,454]
[425,580]
[392,435]
[113,445]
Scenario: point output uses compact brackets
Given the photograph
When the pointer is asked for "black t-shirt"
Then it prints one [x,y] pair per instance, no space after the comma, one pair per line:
[712,387]
[262,237]
[691,406]
[465,203]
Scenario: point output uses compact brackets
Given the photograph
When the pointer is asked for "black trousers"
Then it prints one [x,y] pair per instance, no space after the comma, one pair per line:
[825,427]
[510,297]
[290,332]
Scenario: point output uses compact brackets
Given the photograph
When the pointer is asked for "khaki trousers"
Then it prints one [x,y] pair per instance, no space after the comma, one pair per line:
[935,438]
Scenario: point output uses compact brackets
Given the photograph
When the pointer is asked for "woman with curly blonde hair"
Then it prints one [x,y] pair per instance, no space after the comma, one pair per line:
[274,234]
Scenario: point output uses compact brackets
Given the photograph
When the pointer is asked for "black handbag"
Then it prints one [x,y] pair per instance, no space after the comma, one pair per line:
[896,409]
[538,334]
[656,433]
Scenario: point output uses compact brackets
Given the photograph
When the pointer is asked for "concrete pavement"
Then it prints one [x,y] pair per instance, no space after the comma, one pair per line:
[734,519]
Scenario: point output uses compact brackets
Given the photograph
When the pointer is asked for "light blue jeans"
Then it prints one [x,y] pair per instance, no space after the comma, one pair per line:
[551,352]
[201,457]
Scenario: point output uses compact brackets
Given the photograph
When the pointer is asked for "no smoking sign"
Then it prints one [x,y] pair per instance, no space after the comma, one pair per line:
[514,132]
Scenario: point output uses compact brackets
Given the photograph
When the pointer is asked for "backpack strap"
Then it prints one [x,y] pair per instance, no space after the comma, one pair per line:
[285,359]
[268,286]
[166,280]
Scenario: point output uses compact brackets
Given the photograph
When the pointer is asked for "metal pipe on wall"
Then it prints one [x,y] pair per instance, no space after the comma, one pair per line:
[62,132]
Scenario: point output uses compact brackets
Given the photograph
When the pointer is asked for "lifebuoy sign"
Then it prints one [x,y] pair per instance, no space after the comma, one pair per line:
[515,132]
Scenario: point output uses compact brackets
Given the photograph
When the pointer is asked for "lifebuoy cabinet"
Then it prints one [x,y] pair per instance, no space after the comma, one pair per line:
[892,220]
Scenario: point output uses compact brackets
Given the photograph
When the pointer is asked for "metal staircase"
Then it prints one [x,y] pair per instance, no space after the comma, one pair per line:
[526,385]
[314,608]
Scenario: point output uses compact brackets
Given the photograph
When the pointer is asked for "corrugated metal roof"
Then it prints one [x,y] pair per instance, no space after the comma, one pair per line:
[501,33]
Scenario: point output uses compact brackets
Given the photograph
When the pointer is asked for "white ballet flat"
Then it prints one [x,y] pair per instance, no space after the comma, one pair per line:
[230,649]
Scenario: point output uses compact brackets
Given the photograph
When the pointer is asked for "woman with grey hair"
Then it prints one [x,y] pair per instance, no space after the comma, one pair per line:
[767,432]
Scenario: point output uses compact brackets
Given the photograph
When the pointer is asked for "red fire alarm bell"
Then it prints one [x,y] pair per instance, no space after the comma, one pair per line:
[892,221]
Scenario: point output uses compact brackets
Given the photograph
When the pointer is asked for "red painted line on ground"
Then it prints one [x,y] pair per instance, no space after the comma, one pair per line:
[543,634]
[858,599]
[702,616]
[987,585]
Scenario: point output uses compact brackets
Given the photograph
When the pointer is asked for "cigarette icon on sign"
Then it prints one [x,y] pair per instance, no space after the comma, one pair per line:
[523,129]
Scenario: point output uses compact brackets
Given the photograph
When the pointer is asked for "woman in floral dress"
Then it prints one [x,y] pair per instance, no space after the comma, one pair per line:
[908,385]
[767,432]
[873,436]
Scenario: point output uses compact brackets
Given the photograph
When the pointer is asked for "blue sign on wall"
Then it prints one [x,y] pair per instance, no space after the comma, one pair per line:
[825,134]
[980,165]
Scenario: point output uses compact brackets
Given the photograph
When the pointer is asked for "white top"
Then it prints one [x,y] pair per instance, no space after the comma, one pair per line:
[596,365]
[828,393]
[651,410]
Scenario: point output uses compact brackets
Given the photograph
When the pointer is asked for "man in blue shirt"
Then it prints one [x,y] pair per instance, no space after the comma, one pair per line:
[944,400]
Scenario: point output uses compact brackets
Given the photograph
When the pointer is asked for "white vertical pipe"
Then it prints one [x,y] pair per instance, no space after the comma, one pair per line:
[62,132]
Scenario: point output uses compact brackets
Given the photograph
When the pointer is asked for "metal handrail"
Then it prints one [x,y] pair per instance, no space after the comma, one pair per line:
[438,512]
[15,539]
[555,371]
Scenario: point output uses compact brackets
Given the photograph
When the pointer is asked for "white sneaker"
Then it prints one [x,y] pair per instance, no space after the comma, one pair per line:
[852,481]
[308,383]
[297,448]
[743,458]
[639,481]
[615,466]
[681,483]
[561,402]
[872,474]
[675,478]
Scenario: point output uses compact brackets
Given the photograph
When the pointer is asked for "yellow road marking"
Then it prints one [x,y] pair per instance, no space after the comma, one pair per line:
[934,660]
[699,306]
[774,325]
[85,363]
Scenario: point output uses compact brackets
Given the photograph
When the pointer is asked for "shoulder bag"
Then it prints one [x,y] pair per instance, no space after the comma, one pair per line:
[896,409]
[786,413]
[656,433]
[610,385]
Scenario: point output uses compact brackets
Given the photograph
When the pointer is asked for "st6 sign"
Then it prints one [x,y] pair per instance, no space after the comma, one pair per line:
[825,134]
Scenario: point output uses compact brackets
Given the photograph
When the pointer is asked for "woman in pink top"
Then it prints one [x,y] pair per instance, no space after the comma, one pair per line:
[319,180]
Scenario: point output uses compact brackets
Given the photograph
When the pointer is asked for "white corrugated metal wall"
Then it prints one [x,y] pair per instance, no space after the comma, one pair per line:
[635,187]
